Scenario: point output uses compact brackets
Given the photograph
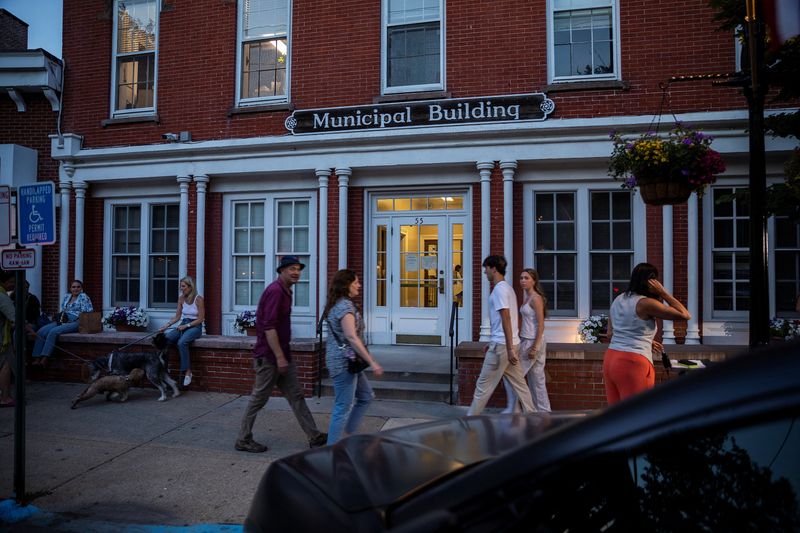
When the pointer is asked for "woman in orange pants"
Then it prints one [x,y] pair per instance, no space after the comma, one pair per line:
[628,362]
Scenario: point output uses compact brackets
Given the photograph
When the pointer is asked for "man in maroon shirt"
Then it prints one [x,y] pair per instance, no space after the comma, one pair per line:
[272,359]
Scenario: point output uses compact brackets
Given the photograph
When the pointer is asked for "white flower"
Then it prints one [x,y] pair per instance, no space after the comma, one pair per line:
[590,329]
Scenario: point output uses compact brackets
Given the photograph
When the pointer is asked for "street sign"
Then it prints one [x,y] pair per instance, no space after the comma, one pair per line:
[18,259]
[36,208]
[5,215]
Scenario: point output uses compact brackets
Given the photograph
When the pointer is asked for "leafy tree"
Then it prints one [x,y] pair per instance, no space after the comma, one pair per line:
[783,74]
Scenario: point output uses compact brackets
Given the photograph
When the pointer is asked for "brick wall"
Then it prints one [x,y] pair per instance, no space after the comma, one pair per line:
[219,364]
[13,32]
[197,51]
[574,372]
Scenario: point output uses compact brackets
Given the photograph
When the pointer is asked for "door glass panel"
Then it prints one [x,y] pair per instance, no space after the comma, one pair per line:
[380,262]
[458,264]
[419,264]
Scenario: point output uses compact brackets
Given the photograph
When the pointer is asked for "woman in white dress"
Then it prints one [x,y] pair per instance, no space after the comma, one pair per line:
[532,348]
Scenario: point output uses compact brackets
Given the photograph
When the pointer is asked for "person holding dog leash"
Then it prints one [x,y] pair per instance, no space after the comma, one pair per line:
[191,313]
[73,304]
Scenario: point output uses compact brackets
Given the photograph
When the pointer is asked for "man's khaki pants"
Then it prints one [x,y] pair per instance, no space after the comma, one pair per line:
[495,366]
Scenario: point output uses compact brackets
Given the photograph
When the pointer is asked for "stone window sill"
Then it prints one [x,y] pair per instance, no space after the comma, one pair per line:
[412,97]
[244,110]
[564,87]
[131,120]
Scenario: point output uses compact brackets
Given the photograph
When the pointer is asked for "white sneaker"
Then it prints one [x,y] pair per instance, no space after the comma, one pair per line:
[187,379]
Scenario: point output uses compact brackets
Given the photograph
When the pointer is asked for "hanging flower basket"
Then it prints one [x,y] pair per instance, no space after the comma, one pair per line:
[665,169]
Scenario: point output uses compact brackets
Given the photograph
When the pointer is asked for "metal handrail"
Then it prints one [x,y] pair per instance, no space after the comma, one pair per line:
[319,358]
[453,330]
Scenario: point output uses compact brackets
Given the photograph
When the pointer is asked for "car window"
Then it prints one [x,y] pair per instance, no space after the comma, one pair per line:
[742,479]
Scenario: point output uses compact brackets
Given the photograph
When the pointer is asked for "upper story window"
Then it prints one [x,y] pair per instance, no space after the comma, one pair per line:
[135,54]
[583,40]
[263,56]
[413,45]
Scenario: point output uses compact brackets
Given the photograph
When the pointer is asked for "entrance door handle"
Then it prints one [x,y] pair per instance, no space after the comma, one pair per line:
[441,285]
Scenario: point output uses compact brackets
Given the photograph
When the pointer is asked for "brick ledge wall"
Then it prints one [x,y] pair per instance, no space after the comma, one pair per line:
[574,371]
[219,363]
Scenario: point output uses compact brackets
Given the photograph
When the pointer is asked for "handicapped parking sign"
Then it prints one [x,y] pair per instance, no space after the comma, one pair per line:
[36,213]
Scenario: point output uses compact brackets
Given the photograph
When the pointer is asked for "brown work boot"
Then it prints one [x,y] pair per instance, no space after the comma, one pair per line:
[250,446]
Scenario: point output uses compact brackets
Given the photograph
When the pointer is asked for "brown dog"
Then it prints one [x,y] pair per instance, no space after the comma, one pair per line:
[115,387]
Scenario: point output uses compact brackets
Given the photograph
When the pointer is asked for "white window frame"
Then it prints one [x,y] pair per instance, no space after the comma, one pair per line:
[303,317]
[716,322]
[119,113]
[385,89]
[578,5]
[563,328]
[240,41]
[145,205]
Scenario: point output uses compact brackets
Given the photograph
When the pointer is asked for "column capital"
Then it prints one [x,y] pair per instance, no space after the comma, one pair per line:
[508,168]
[183,182]
[322,172]
[64,187]
[343,172]
[485,166]
[201,181]
[80,188]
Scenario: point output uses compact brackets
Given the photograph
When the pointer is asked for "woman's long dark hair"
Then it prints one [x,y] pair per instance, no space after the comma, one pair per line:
[339,288]
[639,277]
[537,288]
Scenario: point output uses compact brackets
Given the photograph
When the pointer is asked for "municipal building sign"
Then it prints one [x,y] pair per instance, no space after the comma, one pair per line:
[514,108]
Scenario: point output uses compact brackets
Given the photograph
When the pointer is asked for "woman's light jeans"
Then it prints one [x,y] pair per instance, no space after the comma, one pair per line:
[352,396]
[47,336]
[182,339]
[534,375]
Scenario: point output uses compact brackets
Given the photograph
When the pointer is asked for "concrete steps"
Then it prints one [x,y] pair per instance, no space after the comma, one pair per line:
[402,385]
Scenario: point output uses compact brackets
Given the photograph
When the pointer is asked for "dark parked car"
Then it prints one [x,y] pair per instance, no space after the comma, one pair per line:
[717,450]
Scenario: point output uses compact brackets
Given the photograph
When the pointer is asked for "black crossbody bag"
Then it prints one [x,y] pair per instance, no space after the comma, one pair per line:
[355,363]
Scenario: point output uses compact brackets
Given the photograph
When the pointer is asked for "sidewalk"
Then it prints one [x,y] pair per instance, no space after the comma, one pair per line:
[153,466]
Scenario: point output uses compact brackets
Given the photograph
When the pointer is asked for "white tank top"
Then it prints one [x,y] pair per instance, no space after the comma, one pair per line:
[190,310]
[631,333]
[527,329]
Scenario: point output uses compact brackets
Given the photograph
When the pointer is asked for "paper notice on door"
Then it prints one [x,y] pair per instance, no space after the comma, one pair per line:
[412,262]
[429,262]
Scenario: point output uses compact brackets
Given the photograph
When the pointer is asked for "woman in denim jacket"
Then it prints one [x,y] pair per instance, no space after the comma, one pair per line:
[73,304]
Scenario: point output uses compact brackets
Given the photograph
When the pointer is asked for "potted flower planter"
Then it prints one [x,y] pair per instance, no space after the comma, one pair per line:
[251,332]
[664,192]
[128,327]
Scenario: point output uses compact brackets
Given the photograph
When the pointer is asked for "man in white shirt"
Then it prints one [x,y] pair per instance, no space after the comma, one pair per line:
[501,357]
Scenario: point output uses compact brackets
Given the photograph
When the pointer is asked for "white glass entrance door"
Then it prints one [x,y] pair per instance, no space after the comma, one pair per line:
[419,279]
[418,268]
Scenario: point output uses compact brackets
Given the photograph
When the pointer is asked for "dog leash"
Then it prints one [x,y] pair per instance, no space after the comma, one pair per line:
[76,356]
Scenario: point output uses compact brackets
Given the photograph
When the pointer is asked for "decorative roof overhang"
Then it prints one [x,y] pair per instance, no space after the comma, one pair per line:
[31,72]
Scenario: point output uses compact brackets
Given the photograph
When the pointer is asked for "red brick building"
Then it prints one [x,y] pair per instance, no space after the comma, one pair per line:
[403,139]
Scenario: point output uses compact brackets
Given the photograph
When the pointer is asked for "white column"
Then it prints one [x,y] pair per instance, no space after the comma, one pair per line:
[63,251]
[485,169]
[693,268]
[669,267]
[344,174]
[323,175]
[80,212]
[508,168]
[183,227]
[201,182]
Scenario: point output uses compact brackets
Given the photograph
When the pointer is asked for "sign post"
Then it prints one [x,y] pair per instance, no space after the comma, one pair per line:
[36,224]
[5,215]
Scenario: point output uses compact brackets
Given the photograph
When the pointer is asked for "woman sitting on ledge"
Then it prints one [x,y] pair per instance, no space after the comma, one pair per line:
[74,303]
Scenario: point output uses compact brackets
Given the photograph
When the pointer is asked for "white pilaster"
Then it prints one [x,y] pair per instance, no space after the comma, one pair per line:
[80,217]
[201,182]
[183,227]
[508,168]
[669,267]
[693,268]
[323,175]
[344,174]
[63,251]
[485,169]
